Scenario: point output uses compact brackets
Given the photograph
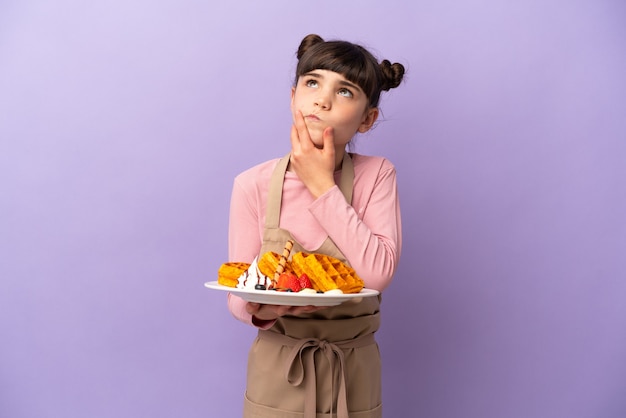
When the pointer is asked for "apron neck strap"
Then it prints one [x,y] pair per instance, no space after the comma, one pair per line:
[275,194]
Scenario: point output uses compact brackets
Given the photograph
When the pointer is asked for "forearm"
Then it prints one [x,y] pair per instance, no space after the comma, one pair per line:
[373,249]
[244,235]
[243,243]
[237,308]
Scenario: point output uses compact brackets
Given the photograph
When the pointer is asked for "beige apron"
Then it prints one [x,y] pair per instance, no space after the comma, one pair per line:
[322,364]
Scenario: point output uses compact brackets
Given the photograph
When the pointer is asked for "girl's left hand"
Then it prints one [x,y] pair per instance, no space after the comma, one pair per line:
[265,312]
[314,166]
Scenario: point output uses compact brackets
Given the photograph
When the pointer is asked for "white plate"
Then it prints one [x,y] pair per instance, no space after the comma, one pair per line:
[272,297]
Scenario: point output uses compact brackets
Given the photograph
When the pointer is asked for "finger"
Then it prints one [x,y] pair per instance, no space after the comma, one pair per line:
[304,309]
[282,310]
[303,130]
[328,136]
[298,119]
[252,307]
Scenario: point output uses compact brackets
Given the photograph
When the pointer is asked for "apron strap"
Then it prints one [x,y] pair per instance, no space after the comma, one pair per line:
[275,194]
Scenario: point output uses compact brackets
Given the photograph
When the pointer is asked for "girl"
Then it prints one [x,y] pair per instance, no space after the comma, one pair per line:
[311,360]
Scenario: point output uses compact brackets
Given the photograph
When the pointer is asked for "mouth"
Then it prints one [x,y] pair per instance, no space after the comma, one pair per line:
[312,117]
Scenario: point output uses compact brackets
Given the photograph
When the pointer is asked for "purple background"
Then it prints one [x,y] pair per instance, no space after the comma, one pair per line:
[122,125]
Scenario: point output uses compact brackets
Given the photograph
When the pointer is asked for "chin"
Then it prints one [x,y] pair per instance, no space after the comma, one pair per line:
[317,141]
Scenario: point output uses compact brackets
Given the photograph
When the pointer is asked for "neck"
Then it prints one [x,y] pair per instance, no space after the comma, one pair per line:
[339,158]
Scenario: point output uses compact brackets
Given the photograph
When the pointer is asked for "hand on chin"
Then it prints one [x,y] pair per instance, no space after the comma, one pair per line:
[316,135]
[317,138]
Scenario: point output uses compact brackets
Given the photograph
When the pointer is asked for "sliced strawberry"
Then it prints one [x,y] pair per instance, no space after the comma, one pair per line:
[305,282]
[288,281]
[294,283]
[282,282]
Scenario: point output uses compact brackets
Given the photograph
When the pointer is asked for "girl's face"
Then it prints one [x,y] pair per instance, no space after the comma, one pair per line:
[325,99]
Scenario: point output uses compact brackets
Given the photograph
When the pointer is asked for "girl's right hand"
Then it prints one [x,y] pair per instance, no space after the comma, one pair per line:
[314,166]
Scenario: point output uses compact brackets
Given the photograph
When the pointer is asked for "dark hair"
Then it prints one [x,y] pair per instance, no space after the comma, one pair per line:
[352,61]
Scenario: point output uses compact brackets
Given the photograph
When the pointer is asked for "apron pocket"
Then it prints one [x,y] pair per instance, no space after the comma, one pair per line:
[253,410]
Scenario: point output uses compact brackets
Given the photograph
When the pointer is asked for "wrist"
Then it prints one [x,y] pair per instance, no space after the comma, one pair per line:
[321,189]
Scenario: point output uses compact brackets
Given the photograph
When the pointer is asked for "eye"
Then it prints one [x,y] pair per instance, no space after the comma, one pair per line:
[311,83]
[345,93]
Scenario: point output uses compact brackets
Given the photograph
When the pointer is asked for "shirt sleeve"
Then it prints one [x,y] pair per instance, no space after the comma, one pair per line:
[371,239]
[244,235]
[244,243]
[237,308]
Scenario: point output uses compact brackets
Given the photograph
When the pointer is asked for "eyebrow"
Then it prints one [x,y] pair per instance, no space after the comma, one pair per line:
[341,82]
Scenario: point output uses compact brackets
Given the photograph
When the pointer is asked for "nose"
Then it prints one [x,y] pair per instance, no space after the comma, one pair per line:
[323,100]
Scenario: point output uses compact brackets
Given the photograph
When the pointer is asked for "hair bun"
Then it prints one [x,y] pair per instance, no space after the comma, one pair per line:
[307,43]
[392,74]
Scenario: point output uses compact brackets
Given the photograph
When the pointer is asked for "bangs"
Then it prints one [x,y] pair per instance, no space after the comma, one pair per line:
[346,59]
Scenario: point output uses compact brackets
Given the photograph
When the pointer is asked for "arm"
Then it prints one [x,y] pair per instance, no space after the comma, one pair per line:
[244,226]
[244,241]
[372,241]
[245,238]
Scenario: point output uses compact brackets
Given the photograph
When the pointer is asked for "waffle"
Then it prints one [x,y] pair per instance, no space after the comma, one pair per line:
[268,264]
[228,273]
[326,273]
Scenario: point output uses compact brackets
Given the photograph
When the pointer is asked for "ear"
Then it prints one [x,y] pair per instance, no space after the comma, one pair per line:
[369,118]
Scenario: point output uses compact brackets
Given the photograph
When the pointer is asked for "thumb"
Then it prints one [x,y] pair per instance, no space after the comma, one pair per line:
[328,136]
[252,307]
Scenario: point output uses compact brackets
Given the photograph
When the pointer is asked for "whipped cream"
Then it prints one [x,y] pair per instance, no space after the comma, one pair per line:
[252,277]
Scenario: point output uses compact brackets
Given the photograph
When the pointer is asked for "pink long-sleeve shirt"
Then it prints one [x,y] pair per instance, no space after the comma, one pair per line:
[368,233]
